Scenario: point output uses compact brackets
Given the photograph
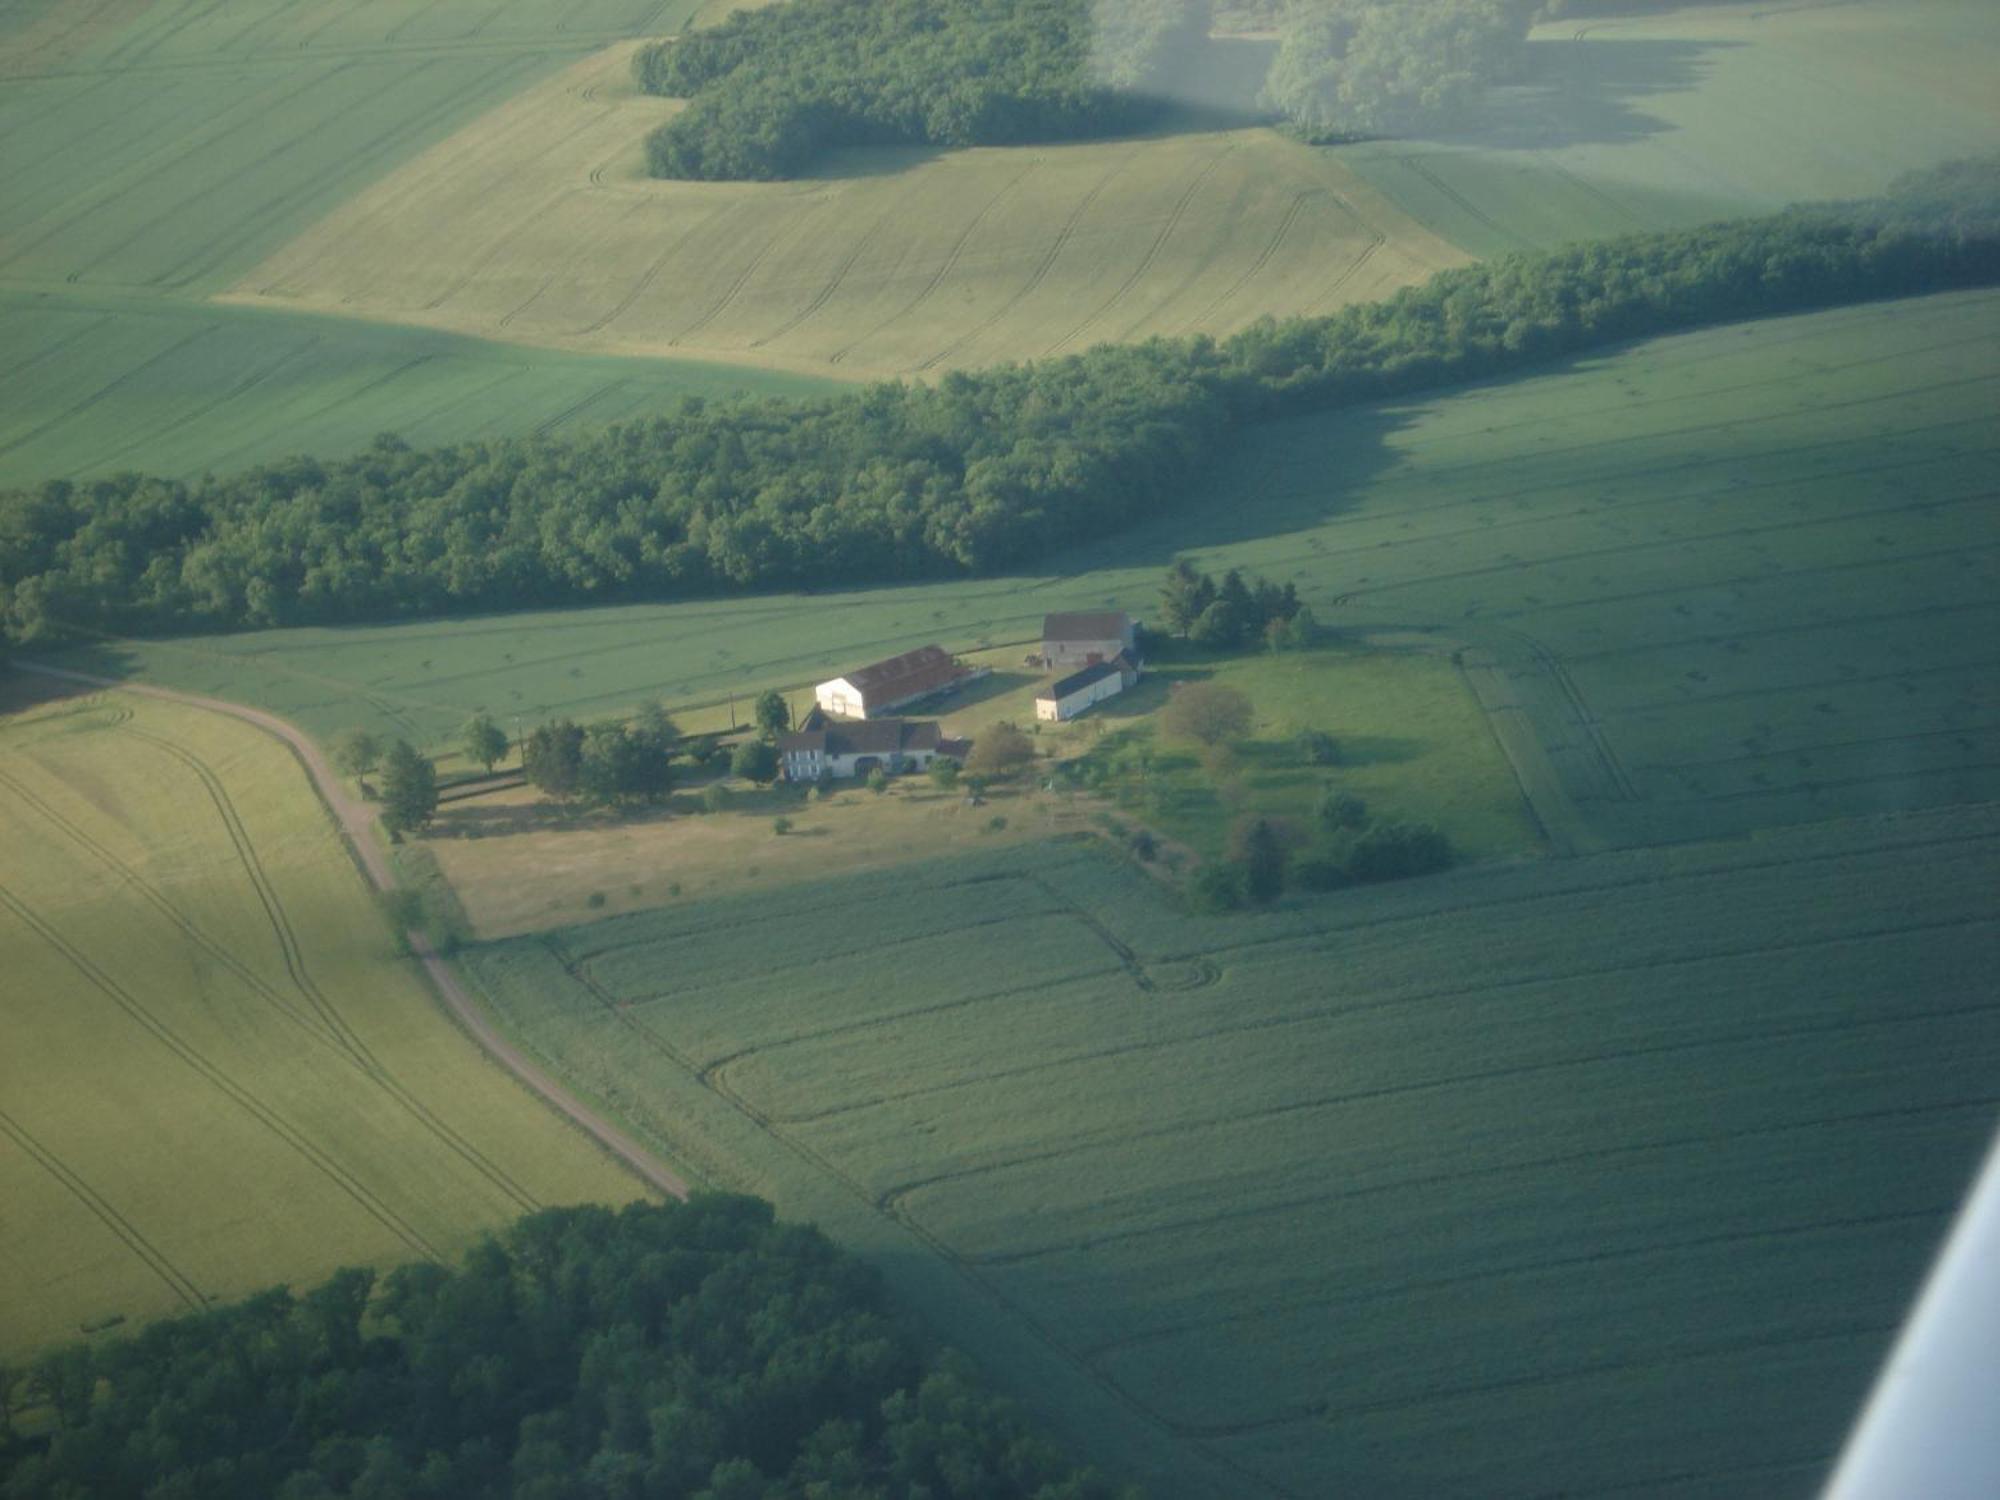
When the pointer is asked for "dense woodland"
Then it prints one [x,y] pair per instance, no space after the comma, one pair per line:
[772,89]
[976,474]
[699,1350]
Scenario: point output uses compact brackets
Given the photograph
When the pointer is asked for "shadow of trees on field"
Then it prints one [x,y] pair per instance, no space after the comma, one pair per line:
[1582,93]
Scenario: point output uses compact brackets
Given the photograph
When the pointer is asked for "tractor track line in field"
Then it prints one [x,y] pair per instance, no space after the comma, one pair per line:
[180,275]
[1416,165]
[825,293]
[78,407]
[1325,299]
[320,411]
[1719,638]
[1821,747]
[1132,279]
[1809,787]
[945,267]
[1297,207]
[751,267]
[644,284]
[329,1013]
[716,1085]
[1042,267]
[356,820]
[1389,1292]
[1109,1140]
[1313,1017]
[235,391]
[243,1098]
[1594,1157]
[155,1260]
[1984,669]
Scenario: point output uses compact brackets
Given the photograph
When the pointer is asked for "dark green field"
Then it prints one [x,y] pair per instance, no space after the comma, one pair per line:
[1392,1193]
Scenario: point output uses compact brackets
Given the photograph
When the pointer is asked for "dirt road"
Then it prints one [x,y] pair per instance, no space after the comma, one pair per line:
[356,819]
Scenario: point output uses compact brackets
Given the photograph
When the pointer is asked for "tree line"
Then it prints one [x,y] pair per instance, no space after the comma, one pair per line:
[700,1349]
[772,89]
[979,473]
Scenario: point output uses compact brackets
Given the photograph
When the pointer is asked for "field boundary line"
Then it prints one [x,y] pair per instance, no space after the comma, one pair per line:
[356,820]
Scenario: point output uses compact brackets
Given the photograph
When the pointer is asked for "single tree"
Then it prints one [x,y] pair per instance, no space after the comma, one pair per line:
[483,741]
[1338,809]
[1260,851]
[773,714]
[1223,626]
[1209,712]
[878,781]
[1000,752]
[944,773]
[755,760]
[552,759]
[409,789]
[1186,593]
[1305,629]
[357,752]
[655,730]
[608,767]
[715,797]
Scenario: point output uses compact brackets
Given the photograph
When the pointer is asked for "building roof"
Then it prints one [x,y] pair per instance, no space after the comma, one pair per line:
[1102,625]
[923,670]
[1076,682]
[866,737]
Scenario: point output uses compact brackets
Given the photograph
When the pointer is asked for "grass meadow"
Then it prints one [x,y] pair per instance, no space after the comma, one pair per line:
[1731,579]
[537,222]
[1610,1176]
[216,1070]
[1635,122]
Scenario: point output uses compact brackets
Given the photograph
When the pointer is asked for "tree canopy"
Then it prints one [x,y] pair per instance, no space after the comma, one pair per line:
[771,89]
[975,474]
[702,1350]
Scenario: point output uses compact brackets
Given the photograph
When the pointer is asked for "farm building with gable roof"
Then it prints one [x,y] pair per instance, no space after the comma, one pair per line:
[840,751]
[884,686]
[1069,696]
[1083,639]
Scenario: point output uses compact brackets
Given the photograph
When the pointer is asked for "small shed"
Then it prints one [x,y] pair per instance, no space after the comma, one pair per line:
[1069,696]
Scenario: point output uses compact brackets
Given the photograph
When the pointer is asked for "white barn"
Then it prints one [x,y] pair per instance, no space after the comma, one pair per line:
[884,686]
[1069,696]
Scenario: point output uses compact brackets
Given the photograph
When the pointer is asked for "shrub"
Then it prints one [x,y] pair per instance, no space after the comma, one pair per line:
[1321,869]
[781,826]
[1259,851]
[594,900]
[755,760]
[878,781]
[1145,845]
[1338,809]
[997,823]
[1396,851]
[944,773]
[1317,748]
[1217,885]
[715,797]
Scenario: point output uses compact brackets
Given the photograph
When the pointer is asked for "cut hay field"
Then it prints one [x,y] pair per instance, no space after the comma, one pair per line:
[95,383]
[1732,579]
[216,1072]
[1637,122]
[151,153]
[536,222]
[1605,1177]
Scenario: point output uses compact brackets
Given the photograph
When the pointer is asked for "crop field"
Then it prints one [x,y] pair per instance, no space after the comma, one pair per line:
[95,383]
[216,1072]
[1611,1176]
[537,223]
[1730,579]
[151,153]
[1628,123]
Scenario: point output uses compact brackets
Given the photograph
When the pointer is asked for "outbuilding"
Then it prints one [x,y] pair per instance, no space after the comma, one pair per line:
[1084,639]
[883,687]
[1069,696]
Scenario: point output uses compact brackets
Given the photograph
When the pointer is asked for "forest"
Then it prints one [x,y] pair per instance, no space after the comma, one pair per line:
[979,473]
[772,89]
[696,1349]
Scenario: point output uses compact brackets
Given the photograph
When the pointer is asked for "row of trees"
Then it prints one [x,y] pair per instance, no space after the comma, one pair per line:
[771,89]
[976,474]
[699,1349]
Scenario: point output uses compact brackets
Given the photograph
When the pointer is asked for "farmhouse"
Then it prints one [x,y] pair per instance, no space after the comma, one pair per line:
[1069,696]
[1082,640]
[884,686]
[840,751]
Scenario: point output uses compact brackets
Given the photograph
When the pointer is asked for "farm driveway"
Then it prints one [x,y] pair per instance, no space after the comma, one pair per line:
[356,819]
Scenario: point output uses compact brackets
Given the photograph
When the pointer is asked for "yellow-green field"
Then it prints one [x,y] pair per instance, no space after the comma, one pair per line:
[1636,122]
[216,1071]
[536,222]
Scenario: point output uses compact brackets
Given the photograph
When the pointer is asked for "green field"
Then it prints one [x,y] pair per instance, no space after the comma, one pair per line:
[149,154]
[1626,123]
[216,1071]
[1731,579]
[1395,1193]
[95,383]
